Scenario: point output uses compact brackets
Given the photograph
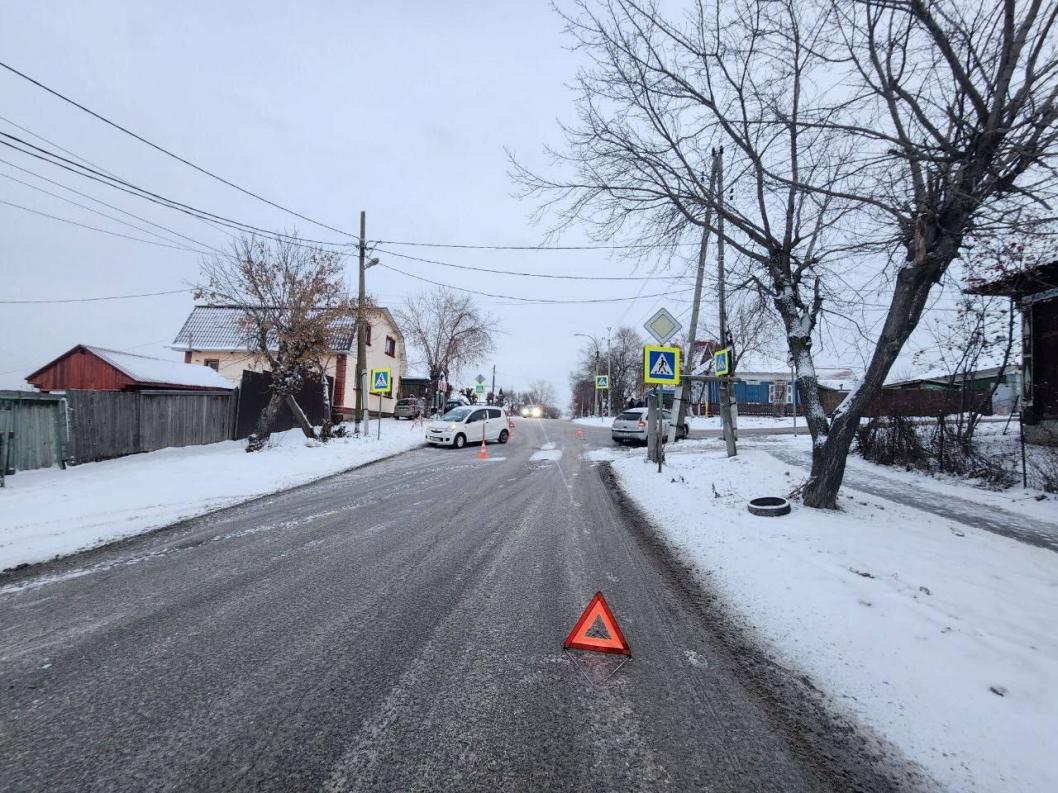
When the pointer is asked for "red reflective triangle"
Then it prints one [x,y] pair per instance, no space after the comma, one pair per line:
[578,638]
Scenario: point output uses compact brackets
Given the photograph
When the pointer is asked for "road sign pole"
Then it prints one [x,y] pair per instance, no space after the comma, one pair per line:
[380,415]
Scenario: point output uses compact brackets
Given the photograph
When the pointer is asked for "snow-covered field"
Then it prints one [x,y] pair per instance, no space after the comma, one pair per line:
[51,512]
[940,637]
[712,422]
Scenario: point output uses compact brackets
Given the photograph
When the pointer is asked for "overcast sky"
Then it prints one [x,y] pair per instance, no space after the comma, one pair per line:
[403,109]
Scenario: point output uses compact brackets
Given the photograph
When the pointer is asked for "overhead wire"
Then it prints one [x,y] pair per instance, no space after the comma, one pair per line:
[171,154]
[45,301]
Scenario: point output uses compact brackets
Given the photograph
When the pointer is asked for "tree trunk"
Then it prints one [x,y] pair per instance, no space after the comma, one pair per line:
[300,417]
[325,430]
[265,422]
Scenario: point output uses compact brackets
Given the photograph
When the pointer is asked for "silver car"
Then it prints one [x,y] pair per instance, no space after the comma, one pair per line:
[631,426]
[409,408]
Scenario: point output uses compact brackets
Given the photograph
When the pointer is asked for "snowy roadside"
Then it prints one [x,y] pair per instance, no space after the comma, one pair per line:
[939,637]
[50,512]
[710,423]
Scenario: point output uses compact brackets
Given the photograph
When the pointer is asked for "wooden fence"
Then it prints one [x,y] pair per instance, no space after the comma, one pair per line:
[33,430]
[86,426]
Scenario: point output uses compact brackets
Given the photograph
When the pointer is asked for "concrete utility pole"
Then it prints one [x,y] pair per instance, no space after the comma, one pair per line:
[609,374]
[493,385]
[361,327]
[361,342]
[725,383]
[679,409]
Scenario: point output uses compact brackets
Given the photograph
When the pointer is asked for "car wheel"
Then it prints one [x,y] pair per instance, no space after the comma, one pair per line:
[504,435]
[460,441]
[685,432]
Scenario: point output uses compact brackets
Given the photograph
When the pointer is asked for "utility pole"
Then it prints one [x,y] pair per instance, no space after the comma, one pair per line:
[493,384]
[725,383]
[679,410]
[361,342]
[609,374]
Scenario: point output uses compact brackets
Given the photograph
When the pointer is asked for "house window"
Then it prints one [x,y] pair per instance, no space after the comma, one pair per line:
[212,363]
[391,346]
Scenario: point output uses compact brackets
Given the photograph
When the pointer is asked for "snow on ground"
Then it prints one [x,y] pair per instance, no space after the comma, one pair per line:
[51,512]
[938,636]
[710,423]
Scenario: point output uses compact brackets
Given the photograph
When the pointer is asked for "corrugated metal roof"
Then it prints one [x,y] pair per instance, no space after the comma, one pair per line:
[218,328]
[159,371]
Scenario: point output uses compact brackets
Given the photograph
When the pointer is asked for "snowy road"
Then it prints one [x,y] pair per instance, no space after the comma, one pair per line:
[399,628]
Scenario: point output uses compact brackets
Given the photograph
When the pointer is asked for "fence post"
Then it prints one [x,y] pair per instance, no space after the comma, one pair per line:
[940,422]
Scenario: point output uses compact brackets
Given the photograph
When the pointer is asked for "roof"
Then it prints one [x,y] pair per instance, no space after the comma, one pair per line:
[957,377]
[219,328]
[1027,282]
[152,371]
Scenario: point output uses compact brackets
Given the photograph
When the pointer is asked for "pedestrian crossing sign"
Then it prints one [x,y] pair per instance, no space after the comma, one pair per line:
[661,365]
[602,382]
[381,381]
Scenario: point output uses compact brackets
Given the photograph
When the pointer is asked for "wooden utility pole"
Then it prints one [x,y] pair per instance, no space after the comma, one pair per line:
[725,384]
[679,409]
[361,341]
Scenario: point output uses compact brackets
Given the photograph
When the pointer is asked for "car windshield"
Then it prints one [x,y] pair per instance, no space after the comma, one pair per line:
[630,415]
[457,414]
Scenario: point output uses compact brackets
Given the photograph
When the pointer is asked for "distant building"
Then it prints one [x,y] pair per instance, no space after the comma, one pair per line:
[765,386]
[212,337]
[975,382]
[1036,293]
[98,369]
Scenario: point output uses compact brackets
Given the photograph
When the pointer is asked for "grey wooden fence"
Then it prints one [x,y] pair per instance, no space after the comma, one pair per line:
[85,426]
[107,424]
[33,430]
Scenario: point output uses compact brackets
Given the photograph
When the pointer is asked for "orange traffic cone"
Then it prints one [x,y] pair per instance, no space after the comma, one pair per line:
[580,434]
[484,453]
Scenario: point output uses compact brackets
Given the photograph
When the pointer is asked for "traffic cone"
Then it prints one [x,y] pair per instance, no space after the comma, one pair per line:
[580,434]
[484,453]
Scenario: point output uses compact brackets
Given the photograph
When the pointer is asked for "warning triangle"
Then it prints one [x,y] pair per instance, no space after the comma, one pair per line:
[580,637]
[661,367]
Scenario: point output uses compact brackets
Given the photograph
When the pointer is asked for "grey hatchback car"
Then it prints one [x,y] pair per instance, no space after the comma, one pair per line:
[409,408]
[631,426]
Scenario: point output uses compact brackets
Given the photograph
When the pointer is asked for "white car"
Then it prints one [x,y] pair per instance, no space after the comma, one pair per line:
[465,424]
[631,425]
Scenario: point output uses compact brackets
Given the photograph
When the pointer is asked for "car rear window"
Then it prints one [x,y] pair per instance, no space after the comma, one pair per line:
[629,416]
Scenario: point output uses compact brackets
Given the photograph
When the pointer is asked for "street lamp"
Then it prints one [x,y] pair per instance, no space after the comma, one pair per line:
[595,400]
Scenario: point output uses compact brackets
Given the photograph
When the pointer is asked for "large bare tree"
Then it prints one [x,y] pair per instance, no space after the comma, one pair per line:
[850,160]
[291,298]
[446,330]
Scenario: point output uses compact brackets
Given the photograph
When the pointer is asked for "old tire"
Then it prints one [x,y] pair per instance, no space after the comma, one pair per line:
[769,506]
[459,441]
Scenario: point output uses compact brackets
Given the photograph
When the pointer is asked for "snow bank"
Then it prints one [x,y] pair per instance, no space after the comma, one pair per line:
[51,512]
[595,421]
[936,635]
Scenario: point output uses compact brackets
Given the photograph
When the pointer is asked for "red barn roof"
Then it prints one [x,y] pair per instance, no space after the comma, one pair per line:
[100,369]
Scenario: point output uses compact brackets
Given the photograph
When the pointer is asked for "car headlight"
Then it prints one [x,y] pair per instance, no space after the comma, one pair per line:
[537,413]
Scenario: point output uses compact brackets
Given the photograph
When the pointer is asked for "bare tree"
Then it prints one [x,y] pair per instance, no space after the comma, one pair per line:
[446,330]
[625,366]
[942,122]
[291,297]
[954,112]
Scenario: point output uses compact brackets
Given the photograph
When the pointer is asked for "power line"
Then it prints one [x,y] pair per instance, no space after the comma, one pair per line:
[92,299]
[127,187]
[96,228]
[631,246]
[531,275]
[541,300]
[168,153]
[104,203]
[87,208]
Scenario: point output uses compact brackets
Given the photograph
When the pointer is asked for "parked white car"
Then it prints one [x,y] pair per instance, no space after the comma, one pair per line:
[466,424]
[631,426]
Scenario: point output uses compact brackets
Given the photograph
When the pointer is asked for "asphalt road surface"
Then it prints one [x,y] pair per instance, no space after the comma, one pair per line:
[399,628]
